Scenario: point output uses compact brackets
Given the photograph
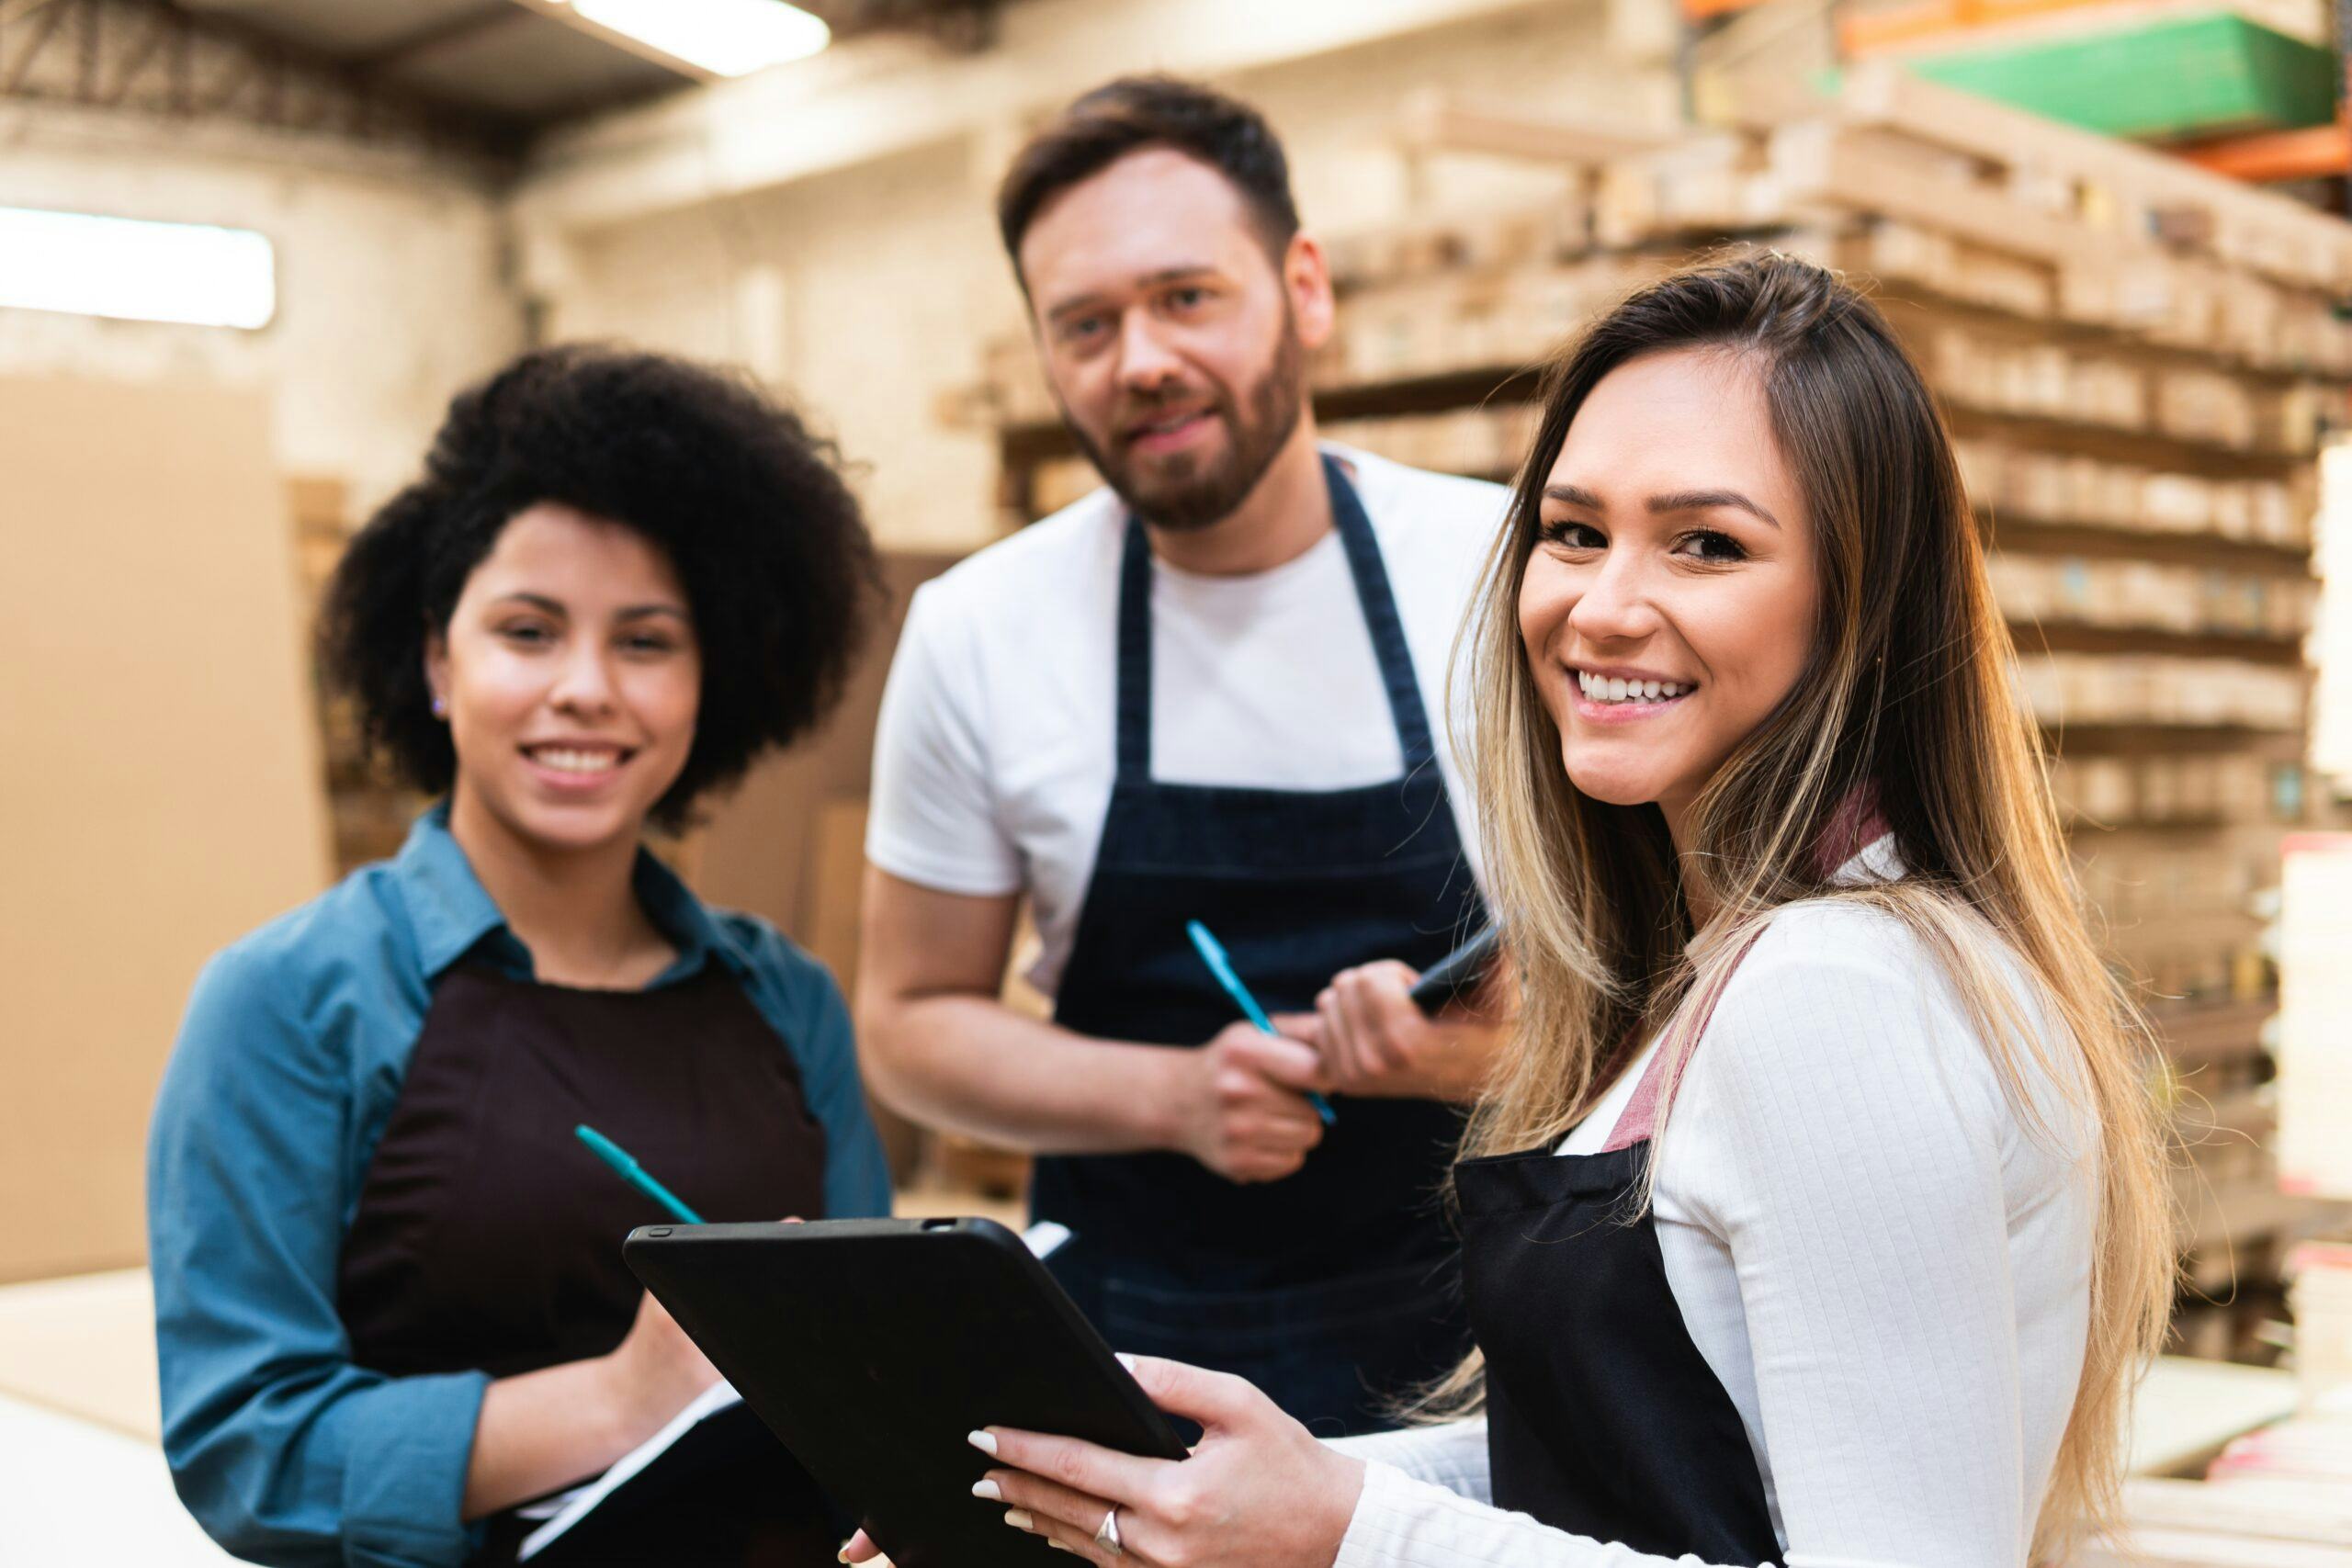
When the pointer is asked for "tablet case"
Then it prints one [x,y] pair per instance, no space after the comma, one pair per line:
[871,1348]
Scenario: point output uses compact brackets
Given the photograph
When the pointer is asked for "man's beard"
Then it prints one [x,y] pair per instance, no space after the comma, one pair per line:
[1197,493]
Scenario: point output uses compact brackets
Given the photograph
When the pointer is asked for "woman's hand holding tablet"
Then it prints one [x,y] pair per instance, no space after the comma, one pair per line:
[1252,1463]
[872,1348]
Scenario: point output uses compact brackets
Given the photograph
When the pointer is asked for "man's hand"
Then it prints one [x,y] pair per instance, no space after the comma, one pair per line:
[1247,1115]
[1372,1040]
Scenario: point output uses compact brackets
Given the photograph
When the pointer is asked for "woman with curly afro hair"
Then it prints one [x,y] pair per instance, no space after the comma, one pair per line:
[390,1305]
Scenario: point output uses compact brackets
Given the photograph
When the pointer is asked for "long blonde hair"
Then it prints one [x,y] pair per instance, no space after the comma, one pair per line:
[1906,702]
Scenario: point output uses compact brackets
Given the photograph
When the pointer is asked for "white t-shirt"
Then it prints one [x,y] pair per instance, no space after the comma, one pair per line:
[994,756]
[1886,1270]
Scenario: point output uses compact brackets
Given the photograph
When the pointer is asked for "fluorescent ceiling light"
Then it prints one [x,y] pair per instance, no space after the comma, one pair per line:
[732,37]
[135,271]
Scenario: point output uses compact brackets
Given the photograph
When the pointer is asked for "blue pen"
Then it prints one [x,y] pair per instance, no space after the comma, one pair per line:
[1213,953]
[626,1166]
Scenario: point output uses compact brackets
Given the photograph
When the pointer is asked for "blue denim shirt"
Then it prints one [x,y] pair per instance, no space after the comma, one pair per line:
[287,1065]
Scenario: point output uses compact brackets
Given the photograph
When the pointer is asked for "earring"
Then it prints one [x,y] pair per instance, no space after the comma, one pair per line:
[440,707]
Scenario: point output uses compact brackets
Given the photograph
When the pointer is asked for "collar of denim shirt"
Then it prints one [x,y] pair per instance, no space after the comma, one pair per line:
[453,915]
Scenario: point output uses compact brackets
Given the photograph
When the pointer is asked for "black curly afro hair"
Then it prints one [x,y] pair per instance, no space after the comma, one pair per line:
[748,505]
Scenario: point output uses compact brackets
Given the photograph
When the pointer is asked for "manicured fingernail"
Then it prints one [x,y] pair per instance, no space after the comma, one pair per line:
[1127,1360]
[984,1442]
[1058,1546]
[1020,1519]
[989,1489]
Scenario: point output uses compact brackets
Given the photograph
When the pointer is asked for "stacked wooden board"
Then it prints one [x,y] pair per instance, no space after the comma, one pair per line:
[2139,362]
[2229,1524]
[2277,1493]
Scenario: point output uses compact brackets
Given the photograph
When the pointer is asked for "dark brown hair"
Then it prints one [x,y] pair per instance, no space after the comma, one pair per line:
[1136,112]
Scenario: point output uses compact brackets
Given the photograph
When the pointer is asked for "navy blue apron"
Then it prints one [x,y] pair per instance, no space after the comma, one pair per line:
[1335,1290]
[1602,1416]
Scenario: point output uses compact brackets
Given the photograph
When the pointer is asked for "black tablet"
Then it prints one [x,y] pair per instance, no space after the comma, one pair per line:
[872,1348]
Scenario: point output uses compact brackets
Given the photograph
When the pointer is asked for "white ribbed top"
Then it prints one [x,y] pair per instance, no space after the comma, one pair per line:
[1887,1274]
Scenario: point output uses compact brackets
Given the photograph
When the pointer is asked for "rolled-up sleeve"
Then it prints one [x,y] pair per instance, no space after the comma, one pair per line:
[283,1449]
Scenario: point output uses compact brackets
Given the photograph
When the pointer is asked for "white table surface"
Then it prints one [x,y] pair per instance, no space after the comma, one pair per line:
[78,1420]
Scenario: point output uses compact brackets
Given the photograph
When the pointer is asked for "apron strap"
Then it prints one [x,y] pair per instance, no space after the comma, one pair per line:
[1639,1119]
[1372,596]
[1135,656]
[1380,616]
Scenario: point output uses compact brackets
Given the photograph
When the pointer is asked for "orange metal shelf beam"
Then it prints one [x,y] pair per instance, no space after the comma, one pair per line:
[2275,155]
[1870,32]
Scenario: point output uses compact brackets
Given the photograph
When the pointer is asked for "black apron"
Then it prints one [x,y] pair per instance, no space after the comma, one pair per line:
[1602,1417]
[488,1237]
[1334,1290]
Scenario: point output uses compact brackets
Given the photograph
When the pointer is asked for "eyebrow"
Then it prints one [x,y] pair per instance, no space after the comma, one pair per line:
[1158,279]
[1674,501]
[627,613]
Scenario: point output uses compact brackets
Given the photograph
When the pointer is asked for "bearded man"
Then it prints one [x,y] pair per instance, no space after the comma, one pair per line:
[1212,691]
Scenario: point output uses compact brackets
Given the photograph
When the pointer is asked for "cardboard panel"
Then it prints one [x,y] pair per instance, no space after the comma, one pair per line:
[160,786]
[758,851]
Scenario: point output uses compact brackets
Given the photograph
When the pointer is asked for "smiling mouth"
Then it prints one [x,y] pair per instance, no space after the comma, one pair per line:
[586,762]
[1166,425]
[1608,689]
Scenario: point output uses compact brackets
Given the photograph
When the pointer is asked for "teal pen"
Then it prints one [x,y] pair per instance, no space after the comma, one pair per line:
[1213,953]
[625,1165]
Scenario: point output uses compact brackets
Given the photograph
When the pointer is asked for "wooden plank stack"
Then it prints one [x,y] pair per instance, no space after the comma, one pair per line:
[2315,1019]
[2245,1523]
[2323,1302]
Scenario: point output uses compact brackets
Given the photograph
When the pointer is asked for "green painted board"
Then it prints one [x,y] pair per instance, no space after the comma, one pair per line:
[2185,76]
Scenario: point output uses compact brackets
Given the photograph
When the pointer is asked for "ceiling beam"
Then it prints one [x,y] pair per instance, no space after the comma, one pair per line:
[168,63]
[871,97]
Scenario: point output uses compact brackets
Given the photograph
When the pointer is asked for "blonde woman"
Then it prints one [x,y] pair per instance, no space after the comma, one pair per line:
[1816,1217]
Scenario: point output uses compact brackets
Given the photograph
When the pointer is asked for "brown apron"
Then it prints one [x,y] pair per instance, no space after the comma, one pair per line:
[488,1237]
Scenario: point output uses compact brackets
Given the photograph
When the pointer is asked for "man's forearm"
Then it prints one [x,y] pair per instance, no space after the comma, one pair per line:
[970,1065]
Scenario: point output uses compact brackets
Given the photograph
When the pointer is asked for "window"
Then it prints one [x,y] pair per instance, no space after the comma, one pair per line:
[135,270]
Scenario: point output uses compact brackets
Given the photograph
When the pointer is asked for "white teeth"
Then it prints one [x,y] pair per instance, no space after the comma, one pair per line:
[568,761]
[1610,689]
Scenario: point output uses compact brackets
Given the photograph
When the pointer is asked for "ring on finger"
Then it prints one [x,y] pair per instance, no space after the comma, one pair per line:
[1106,1534]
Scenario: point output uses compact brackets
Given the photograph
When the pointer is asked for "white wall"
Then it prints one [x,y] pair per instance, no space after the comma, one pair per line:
[873,286]
[391,283]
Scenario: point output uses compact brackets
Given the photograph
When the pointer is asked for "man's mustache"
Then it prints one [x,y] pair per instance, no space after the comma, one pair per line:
[1138,410]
